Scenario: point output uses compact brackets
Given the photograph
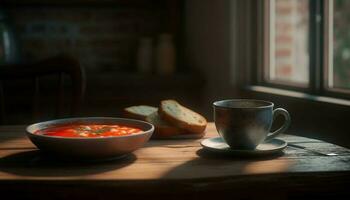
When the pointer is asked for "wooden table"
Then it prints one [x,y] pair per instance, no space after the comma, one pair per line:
[174,169]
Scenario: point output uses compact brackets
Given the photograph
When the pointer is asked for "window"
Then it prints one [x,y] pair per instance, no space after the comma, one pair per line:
[307,46]
[289,29]
[339,44]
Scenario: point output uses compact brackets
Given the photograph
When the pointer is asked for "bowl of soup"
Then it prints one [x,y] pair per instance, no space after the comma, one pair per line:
[90,138]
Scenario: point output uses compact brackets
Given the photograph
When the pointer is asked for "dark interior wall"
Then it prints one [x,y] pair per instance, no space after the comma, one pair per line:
[209,47]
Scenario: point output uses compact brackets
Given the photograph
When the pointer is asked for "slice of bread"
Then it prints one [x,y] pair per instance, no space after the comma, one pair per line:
[182,117]
[162,128]
[139,112]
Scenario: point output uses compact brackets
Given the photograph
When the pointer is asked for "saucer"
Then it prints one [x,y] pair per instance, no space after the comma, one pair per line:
[218,145]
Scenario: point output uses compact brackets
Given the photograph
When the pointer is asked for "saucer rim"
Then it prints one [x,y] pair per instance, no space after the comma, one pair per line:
[250,152]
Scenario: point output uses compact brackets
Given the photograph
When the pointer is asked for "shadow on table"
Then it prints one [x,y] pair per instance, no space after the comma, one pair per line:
[9,139]
[36,163]
[253,157]
[215,165]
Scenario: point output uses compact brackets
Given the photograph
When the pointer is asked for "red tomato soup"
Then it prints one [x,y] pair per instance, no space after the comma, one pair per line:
[96,130]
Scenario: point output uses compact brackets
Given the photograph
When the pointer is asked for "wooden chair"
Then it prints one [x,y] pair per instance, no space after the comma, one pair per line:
[60,66]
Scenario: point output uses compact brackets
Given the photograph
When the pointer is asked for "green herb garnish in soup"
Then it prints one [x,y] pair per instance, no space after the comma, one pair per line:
[96,130]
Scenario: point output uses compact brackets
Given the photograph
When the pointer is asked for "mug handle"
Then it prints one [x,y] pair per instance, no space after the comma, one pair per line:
[284,127]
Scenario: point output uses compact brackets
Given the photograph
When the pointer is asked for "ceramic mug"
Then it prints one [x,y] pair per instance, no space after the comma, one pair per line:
[245,123]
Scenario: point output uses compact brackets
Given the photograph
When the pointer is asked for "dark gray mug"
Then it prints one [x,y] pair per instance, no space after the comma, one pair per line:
[245,123]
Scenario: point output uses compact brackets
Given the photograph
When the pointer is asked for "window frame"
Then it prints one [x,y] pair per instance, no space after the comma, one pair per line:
[321,117]
[319,51]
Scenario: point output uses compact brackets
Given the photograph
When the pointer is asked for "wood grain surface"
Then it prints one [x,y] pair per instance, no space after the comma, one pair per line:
[178,167]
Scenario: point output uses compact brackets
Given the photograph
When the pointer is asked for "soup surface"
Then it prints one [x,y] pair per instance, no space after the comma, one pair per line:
[96,130]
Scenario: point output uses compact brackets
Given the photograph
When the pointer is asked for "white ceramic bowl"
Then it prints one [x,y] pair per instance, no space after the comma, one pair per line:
[90,148]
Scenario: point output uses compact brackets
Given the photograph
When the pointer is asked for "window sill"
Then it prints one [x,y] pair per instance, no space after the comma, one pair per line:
[298,95]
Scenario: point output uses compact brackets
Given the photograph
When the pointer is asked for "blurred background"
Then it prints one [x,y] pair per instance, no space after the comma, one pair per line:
[132,52]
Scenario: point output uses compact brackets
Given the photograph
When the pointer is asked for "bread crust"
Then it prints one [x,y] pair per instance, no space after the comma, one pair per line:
[129,114]
[162,129]
[193,128]
[166,132]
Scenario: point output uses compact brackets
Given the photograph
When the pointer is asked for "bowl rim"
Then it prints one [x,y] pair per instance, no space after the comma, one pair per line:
[144,132]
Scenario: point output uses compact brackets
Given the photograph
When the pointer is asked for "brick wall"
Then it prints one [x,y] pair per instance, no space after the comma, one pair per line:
[291,40]
[104,38]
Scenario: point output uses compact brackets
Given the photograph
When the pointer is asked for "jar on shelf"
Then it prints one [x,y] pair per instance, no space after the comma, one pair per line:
[145,55]
[165,55]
